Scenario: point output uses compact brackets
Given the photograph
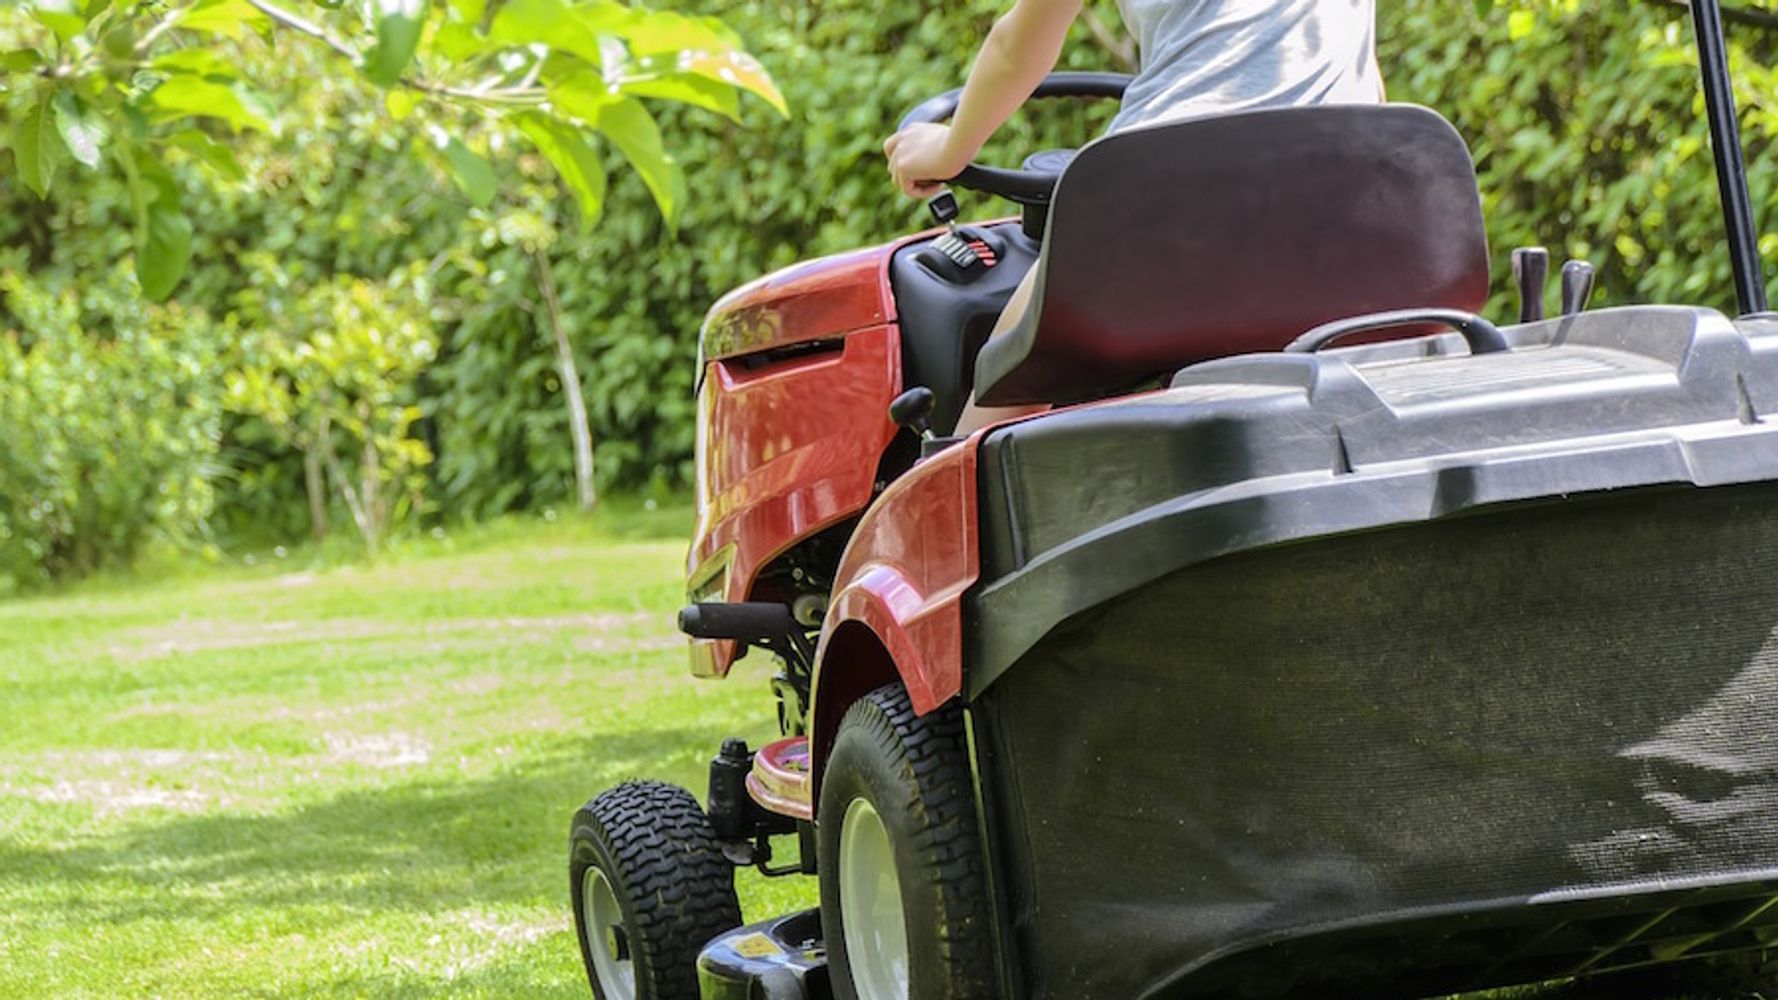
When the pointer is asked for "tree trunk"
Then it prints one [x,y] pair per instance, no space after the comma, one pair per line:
[315,485]
[577,419]
[370,486]
[342,482]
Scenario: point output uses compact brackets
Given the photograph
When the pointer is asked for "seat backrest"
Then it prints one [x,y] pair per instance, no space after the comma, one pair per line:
[1230,235]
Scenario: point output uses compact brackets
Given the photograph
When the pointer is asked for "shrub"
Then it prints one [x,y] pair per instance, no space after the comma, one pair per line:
[329,370]
[1587,125]
[109,420]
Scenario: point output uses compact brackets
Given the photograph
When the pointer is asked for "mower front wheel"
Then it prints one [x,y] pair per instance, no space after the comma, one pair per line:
[650,888]
[904,895]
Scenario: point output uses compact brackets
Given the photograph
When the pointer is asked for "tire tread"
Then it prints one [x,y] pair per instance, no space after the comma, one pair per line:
[673,882]
[932,750]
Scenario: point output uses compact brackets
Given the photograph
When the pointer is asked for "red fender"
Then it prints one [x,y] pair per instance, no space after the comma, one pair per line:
[902,580]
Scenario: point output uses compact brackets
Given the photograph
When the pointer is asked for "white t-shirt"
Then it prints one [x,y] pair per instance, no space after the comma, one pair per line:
[1202,57]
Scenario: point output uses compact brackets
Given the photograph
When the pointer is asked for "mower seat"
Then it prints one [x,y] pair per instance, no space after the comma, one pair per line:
[1179,243]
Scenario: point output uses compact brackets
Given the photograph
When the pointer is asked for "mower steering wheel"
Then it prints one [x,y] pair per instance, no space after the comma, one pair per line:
[1026,187]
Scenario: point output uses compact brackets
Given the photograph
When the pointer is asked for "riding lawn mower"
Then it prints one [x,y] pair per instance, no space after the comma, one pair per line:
[1322,638]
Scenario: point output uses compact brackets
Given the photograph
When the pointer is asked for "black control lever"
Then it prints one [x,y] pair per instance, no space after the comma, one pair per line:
[1531,272]
[913,410]
[943,207]
[1577,286]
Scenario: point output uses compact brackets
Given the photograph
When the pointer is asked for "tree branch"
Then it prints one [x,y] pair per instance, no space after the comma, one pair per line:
[509,95]
[1119,45]
[304,26]
[524,94]
[165,24]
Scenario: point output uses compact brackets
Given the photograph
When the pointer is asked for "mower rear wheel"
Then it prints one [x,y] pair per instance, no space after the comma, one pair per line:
[904,894]
[650,887]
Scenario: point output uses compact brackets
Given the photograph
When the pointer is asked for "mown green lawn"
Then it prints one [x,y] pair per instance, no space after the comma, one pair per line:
[340,782]
[297,781]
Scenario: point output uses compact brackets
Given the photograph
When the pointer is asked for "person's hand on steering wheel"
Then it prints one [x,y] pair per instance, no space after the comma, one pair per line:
[921,152]
[1019,51]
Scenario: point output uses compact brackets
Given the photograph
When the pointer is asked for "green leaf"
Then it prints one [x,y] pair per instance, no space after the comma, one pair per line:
[574,29]
[658,31]
[696,91]
[1521,24]
[163,242]
[228,18]
[667,44]
[737,69]
[198,62]
[399,26]
[61,17]
[180,96]
[579,92]
[20,61]
[401,103]
[83,132]
[119,42]
[210,153]
[631,129]
[456,41]
[472,173]
[35,149]
[573,157]
[522,22]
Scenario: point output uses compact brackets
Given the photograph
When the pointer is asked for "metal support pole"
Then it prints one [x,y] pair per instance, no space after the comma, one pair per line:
[1725,143]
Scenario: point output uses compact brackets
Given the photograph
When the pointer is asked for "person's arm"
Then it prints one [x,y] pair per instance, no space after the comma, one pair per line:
[1019,52]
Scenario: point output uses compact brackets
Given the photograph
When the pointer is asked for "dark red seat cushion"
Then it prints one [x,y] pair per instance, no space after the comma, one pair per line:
[1231,235]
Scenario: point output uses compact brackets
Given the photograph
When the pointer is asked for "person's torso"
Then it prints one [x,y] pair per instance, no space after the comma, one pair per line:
[1204,57]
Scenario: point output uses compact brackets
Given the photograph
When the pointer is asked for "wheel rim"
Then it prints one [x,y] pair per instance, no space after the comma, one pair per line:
[606,940]
[870,906]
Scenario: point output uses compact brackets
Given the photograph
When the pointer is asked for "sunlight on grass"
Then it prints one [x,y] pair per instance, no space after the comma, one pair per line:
[343,780]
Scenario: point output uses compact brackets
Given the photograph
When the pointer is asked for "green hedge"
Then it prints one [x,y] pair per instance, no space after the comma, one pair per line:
[1585,119]
[1587,125]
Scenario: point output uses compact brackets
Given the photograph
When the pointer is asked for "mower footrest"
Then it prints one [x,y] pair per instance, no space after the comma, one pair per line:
[779,781]
[781,959]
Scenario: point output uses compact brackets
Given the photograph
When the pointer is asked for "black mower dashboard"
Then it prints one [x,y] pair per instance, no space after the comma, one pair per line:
[948,292]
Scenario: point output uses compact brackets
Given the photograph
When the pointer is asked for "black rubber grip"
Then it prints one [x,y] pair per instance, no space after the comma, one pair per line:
[752,621]
[1067,83]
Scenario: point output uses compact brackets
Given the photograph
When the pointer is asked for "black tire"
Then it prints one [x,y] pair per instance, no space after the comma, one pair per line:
[674,890]
[915,773]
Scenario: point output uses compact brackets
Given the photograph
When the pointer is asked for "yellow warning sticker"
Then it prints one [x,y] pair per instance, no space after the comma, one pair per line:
[756,946]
